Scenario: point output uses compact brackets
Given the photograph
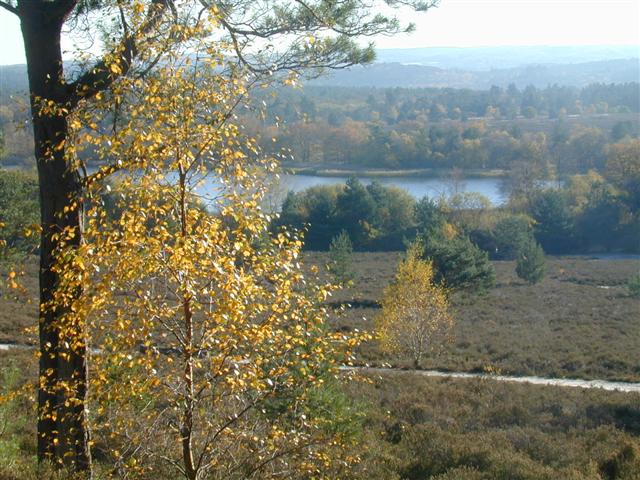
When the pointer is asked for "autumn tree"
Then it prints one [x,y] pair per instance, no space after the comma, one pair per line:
[415,318]
[623,171]
[211,346]
[137,35]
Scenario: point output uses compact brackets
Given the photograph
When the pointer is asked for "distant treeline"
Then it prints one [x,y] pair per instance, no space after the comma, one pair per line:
[448,128]
[441,128]
[589,213]
[393,105]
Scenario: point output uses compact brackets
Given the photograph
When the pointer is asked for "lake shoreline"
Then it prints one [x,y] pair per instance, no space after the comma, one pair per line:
[389,173]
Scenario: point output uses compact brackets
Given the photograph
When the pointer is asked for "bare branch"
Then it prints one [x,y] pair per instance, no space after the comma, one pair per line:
[9,8]
[101,76]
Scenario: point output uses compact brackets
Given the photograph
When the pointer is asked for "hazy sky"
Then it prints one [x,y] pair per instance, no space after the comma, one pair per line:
[464,23]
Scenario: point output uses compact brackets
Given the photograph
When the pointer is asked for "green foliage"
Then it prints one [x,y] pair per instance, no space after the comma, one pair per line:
[531,262]
[634,286]
[511,233]
[355,209]
[340,254]
[430,219]
[623,465]
[460,263]
[16,452]
[597,225]
[466,430]
[554,227]
[369,214]
[19,211]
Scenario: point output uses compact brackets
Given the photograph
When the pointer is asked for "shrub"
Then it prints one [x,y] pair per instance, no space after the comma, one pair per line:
[341,253]
[460,263]
[531,263]
[634,286]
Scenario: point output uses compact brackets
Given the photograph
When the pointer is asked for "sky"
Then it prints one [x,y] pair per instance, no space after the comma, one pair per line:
[474,23]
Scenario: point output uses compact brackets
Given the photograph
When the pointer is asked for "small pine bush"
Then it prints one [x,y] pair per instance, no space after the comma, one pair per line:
[531,262]
[634,286]
[341,253]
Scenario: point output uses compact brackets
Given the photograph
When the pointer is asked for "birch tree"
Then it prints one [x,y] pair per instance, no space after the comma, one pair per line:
[415,318]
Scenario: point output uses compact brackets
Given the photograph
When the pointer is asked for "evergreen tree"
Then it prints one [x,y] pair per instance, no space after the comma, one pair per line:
[340,253]
[531,263]
[460,263]
[355,210]
[554,225]
[510,234]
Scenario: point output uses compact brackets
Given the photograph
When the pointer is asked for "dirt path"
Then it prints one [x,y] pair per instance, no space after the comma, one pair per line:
[556,382]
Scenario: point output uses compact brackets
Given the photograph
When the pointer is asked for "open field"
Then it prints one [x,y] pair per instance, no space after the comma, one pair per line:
[566,326]
[415,428]
[472,429]
[569,325]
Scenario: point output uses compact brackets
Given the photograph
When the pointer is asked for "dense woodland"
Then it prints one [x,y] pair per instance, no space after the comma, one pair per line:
[563,130]
[590,212]
[566,128]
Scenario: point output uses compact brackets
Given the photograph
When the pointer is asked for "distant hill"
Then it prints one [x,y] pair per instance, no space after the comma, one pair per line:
[410,75]
[474,68]
[491,58]
[13,78]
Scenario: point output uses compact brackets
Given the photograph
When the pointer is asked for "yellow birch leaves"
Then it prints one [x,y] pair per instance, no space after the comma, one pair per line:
[208,343]
[415,318]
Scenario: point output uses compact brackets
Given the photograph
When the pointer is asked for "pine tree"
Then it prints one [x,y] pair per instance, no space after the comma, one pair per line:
[531,262]
[340,253]
[460,263]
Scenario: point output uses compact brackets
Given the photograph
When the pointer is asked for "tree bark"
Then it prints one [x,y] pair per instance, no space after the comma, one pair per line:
[63,435]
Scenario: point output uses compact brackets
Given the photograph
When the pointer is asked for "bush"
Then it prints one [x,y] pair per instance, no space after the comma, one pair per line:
[531,263]
[19,210]
[634,286]
[460,263]
[341,253]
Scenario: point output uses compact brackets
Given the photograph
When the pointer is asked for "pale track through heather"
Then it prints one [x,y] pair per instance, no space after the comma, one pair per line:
[626,387]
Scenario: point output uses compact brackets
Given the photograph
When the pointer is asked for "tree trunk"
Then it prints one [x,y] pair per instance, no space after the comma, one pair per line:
[63,436]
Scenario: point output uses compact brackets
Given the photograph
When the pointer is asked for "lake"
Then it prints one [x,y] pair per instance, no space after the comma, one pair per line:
[416,186]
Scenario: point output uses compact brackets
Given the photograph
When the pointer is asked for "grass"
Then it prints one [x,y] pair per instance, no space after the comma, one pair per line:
[566,326]
[451,429]
[421,428]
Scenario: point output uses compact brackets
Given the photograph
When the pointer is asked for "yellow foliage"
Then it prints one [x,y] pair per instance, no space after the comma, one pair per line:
[207,341]
[415,318]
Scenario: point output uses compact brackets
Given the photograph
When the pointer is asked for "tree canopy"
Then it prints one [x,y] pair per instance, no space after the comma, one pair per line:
[76,106]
